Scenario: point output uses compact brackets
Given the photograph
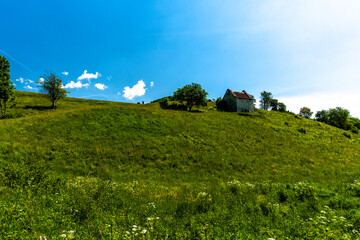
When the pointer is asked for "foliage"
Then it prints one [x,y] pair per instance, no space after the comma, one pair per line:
[7,94]
[281,107]
[277,106]
[355,122]
[337,117]
[265,100]
[133,171]
[166,104]
[171,98]
[305,112]
[322,116]
[220,104]
[274,104]
[192,94]
[52,86]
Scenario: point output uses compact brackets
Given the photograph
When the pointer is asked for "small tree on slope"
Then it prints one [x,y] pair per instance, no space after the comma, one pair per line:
[7,93]
[192,94]
[52,86]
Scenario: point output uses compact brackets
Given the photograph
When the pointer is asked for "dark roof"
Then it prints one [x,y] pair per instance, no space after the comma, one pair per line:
[241,95]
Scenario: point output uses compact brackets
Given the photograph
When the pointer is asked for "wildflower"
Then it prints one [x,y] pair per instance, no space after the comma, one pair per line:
[271,238]
[143,231]
[63,235]
[202,194]
[157,218]
[149,219]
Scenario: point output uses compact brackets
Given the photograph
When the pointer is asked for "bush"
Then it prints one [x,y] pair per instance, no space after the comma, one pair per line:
[305,112]
[164,103]
[337,117]
[220,104]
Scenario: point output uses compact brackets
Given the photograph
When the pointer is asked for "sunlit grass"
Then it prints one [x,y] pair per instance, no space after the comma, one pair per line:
[95,169]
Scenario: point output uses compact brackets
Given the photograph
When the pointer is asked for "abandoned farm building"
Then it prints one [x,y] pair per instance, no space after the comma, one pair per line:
[239,101]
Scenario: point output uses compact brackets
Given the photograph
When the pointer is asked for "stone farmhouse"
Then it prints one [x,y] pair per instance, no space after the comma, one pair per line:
[239,101]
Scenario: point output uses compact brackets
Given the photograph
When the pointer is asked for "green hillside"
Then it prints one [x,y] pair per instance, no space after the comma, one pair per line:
[98,168]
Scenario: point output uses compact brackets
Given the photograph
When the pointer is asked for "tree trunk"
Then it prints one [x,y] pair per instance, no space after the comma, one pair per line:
[53,105]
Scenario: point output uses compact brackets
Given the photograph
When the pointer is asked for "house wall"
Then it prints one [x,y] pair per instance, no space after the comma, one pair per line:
[235,104]
[244,105]
[231,103]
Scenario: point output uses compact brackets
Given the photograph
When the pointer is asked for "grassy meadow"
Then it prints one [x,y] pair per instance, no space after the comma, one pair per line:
[106,170]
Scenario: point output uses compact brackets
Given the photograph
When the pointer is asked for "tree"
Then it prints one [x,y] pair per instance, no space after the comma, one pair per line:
[281,107]
[220,104]
[337,117]
[322,116]
[274,103]
[340,118]
[265,99]
[305,112]
[52,86]
[192,94]
[7,93]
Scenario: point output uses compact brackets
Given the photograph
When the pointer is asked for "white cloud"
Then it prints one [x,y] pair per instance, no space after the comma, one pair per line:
[137,90]
[89,76]
[28,87]
[100,86]
[30,81]
[77,84]
[65,73]
[109,78]
[41,80]
[313,46]
[324,101]
[151,84]
[21,80]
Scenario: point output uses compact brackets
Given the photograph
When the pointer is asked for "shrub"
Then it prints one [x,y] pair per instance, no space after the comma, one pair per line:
[337,117]
[305,112]
[220,104]
[164,103]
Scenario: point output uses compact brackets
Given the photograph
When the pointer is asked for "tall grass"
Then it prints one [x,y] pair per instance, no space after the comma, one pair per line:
[105,170]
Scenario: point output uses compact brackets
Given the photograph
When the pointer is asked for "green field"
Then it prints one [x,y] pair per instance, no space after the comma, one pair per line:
[106,170]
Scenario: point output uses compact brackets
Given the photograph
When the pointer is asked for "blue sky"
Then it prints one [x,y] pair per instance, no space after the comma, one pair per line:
[305,52]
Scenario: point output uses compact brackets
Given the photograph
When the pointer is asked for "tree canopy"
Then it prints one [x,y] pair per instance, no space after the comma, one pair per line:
[337,117]
[192,94]
[265,100]
[305,112]
[52,86]
[7,93]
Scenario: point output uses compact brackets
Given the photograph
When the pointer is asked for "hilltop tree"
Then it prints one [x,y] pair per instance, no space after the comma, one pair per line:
[192,94]
[281,107]
[7,93]
[337,117]
[305,112]
[274,104]
[265,100]
[52,86]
